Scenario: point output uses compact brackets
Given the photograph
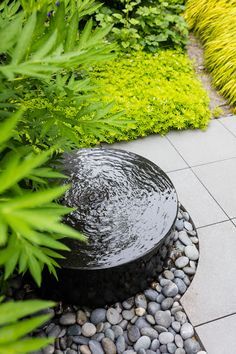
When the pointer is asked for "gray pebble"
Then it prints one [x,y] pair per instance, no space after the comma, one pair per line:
[191,252]
[81,317]
[191,346]
[155,344]
[143,342]
[128,314]
[163,348]
[160,298]
[181,285]
[98,336]
[80,340]
[168,274]
[98,315]
[150,319]
[160,329]
[109,334]
[150,332]
[133,333]
[170,290]
[88,329]
[140,301]
[54,331]
[167,303]
[141,322]
[153,307]
[166,337]
[179,341]
[74,330]
[108,346]
[186,331]
[113,316]
[128,304]
[181,262]
[151,294]
[123,324]
[176,326]
[179,274]
[189,270]
[84,349]
[120,345]
[68,319]
[49,349]
[129,351]
[180,351]
[186,280]
[180,317]
[179,224]
[183,237]
[171,347]
[163,318]
[95,347]
[188,226]
[186,215]
[118,331]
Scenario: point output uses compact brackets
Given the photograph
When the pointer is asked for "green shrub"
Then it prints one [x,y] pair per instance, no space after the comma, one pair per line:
[159,92]
[214,22]
[144,24]
[14,328]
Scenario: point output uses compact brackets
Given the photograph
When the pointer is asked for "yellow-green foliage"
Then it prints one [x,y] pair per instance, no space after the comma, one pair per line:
[159,92]
[214,21]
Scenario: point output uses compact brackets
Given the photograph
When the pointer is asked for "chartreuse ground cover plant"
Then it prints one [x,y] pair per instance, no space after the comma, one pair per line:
[144,24]
[214,22]
[14,327]
[157,92]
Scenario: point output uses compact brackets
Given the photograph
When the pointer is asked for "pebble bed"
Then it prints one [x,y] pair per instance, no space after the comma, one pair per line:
[152,322]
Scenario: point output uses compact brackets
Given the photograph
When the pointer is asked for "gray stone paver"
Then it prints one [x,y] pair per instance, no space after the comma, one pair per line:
[229,123]
[196,199]
[212,293]
[220,179]
[199,147]
[157,149]
[219,336]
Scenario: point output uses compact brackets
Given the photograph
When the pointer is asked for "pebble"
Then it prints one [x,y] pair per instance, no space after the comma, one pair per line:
[98,315]
[84,349]
[128,314]
[181,262]
[189,270]
[109,334]
[167,303]
[187,331]
[120,345]
[180,285]
[150,332]
[179,341]
[170,290]
[180,317]
[163,318]
[74,330]
[81,317]
[150,319]
[140,301]
[180,351]
[133,333]
[191,346]
[88,329]
[176,326]
[171,347]
[143,342]
[166,337]
[118,331]
[151,294]
[141,322]
[183,237]
[140,311]
[191,252]
[179,274]
[108,346]
[179,224]
[128,304]
[95,347]
[153,307]
[188,226]
[155,344]
[68,319]
[168,274]
[113,316]
[160,298]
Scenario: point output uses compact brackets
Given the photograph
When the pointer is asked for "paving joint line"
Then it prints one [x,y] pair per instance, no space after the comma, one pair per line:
[216,319]
[227,127]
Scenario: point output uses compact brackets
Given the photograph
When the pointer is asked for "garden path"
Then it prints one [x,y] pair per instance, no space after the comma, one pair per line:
[202,166]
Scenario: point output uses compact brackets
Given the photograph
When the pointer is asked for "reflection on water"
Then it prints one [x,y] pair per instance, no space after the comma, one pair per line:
[124,203]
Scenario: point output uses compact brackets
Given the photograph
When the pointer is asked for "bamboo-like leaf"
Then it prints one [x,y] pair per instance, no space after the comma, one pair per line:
[72,33]
[24,40]
[7,127]
[24,346]
[85,34]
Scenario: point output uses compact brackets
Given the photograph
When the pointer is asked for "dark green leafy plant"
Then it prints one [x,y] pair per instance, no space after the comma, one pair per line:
[157,92]
[13,328]
[144,24]
[43,69]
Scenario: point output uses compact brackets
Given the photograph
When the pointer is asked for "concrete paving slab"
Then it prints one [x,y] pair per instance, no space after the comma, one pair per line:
[196,199]
[219,337]
[220,179]
[199,147]
[229,123]
[212,293]
[155,148]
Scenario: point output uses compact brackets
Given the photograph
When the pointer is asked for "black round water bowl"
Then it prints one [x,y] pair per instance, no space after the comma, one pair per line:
[126,206]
